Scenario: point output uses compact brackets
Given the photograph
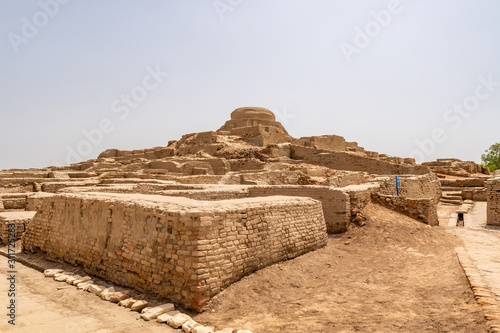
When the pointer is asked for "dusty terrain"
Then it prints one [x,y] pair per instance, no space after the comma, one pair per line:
[43,308]
[393,275]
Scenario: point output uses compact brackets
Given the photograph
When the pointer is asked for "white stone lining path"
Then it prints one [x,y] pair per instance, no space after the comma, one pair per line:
[164,313]
[480,258]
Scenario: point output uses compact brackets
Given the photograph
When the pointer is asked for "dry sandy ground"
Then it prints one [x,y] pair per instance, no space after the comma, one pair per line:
[42,308]
[394,275]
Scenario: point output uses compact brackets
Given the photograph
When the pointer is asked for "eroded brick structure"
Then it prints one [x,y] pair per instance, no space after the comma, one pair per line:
[182,249]
[187,219]
[493,200]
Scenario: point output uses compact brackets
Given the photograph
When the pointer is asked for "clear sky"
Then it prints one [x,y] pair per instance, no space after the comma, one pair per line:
[405,78]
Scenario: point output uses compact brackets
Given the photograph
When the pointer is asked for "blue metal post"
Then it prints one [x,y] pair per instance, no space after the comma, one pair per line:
[397,185]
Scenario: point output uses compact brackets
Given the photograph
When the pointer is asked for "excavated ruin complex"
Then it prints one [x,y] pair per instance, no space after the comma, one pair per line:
[493,198]
[460,180]
[186,220]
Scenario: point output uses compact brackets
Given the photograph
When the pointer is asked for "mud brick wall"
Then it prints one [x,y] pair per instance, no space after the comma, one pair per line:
[329,142]
[19,219]
[178,248]
[493,201]
[35,200]
[15,188]
[19,227]
[209,195]
[420,187]
[53,187]
[466,182]
[14,200]
[353,162]
[335,202]
[360,195]
[424,210]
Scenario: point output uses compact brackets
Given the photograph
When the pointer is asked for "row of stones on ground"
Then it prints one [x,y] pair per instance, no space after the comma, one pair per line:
[164,313]
[481,291]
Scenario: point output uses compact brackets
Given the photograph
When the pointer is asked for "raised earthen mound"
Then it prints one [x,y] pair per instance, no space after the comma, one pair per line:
[456,167]
[253,113]
[393,275]
[258,125]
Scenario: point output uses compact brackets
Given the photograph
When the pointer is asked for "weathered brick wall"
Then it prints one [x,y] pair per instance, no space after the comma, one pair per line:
[35,200]
[360,195]
[335,202]
[17,221]
[5,187]
[182,249]
[210,195]
[354,162]
[419,187]
[53,187]
[424,210]
[493,201]
[464,182]
[14,200]
[329,142]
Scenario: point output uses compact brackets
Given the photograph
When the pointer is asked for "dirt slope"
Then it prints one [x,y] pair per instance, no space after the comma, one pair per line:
[393,275]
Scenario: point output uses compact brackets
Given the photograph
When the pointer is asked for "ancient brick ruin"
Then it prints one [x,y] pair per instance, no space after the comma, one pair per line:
[179,248]
[186,220]
[13,225]
[493,195]
[460,180]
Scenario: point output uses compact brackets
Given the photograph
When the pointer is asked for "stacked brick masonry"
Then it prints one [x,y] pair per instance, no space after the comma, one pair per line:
[361,195]
[423,186]
[493,201]
[14,200]
[210,195]
[178,248]
[20,220]
[424,210]
[355,162]
[335,202]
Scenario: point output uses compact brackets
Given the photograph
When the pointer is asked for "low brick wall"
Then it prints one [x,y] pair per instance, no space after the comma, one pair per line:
[354,162]
[182,249]
[420,187]
[493,201]
[360,195]
[335,202]
[53,187]
[14,223]
[464,182]
[35,200]
[424,210]
[210,195]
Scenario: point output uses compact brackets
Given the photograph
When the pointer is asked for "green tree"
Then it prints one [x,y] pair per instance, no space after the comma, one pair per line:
[491,159]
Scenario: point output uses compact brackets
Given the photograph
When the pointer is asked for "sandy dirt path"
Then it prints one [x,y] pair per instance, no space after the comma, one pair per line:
[41,308]
[482,244]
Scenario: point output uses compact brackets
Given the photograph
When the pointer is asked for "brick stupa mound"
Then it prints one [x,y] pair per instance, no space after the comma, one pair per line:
[253,113]
[257,125]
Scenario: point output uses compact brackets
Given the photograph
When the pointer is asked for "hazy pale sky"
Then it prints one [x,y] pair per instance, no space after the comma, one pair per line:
[405,78]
